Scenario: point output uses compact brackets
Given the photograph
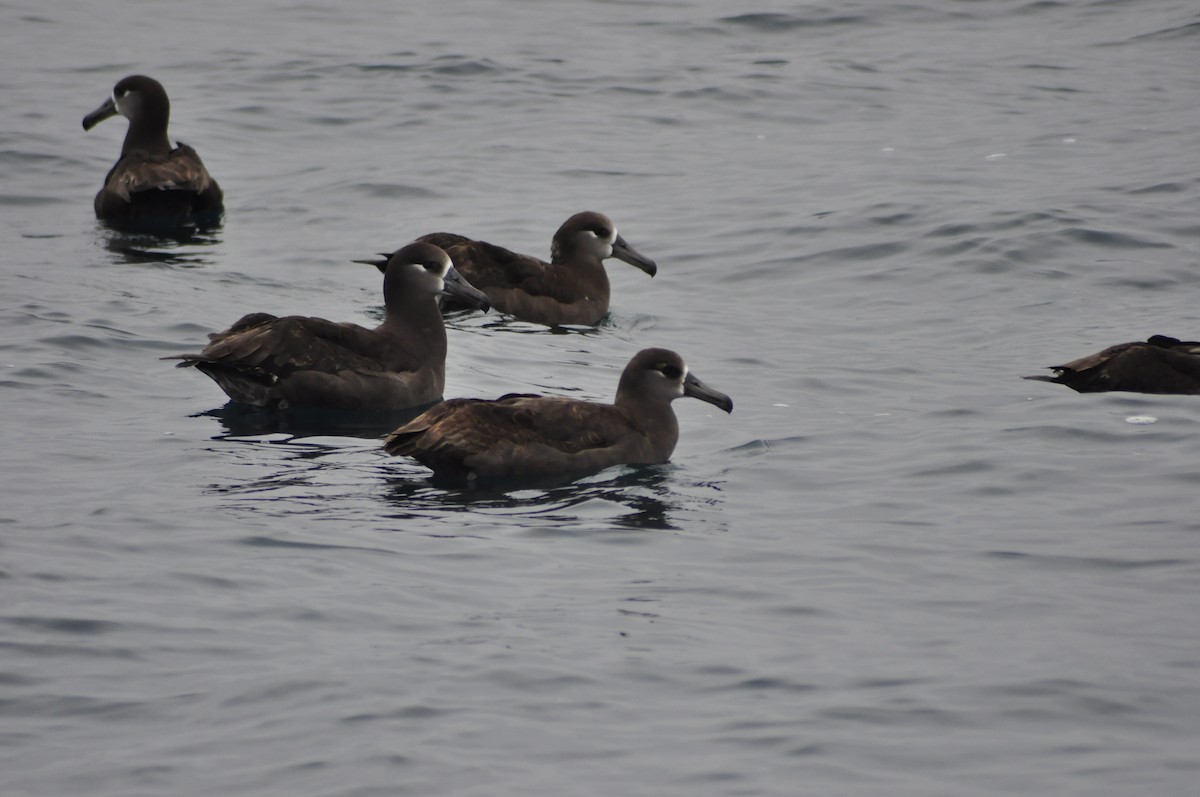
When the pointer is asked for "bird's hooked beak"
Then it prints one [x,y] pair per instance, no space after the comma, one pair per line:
[108,109]
[696,389]
[459,288]
[621,250]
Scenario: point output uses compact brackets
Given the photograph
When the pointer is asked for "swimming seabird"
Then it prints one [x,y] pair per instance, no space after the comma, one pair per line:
[152,184]
[572,288]
[1159,365]
[294,361]
[525,437]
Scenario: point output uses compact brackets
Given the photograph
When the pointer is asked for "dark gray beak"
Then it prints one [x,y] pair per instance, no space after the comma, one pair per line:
[696,389]
[623,251]
[109,108]
[380,264]
[458,288]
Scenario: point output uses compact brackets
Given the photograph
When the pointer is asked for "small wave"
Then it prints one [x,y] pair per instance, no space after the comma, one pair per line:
[1063,562]
[62,625]
[1166,34]
[778,22]
[1114,240]
[394,191]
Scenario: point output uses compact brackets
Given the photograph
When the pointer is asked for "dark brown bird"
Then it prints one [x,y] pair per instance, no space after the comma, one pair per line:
[153,184]
[539,438]
[1160,365]
[295,361]
[572,288]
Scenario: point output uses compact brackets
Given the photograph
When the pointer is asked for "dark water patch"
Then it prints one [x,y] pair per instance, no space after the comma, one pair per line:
[796,611]
[1077,435]
[772,22]
[1062,562]
[1056,89]
[767,684]
[1045,687]
[889,683]
[955,469]
[77,343]
[26,200]
[394,191]
[276,692]
[640,91]
[890,716]
[258,541]
[48,650]
[720,94]
[1174,33]
[62,625]
[1113,240]
[16,680]
[542,682]
[50,706]
[584,173]
[1140,283]
[209,581]
[953,230]
[1159,188]
[758,741]
[1060,699]
[406,713]
[462,66]
[892,219]
[389,67]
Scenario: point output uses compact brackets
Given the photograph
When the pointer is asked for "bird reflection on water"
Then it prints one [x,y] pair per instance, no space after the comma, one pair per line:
[186,247]
[645,497]
[240,420]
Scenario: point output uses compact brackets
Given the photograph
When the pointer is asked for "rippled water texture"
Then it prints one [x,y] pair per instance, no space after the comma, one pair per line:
[895,569]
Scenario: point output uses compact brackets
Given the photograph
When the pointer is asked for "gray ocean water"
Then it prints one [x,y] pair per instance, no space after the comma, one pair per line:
[895,569]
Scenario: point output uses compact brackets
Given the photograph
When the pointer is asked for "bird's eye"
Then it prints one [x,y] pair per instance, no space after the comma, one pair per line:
[671,371]
[119,93]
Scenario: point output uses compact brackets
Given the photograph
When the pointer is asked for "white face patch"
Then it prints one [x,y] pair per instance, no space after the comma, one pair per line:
[126,104]
[676,384]
[608,244]
[433,282]
[602,247]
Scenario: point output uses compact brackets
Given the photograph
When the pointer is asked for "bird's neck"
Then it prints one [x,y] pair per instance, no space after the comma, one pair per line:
[415,321]
[148,137]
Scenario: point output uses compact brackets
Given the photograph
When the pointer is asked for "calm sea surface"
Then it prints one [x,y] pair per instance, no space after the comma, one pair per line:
[895,569]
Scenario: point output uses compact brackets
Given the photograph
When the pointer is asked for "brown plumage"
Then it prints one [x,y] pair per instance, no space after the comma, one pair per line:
[572,288]
[1159,365]
[537,438]
[152,184]
[294,361]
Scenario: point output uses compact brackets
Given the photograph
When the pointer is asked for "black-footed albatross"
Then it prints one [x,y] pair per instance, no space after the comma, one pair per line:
[539,438]
[572,288]
[296,361]
[1159,365]
[152,184]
